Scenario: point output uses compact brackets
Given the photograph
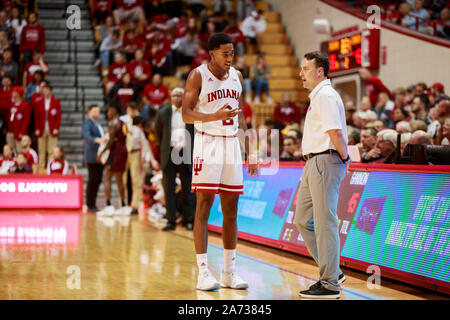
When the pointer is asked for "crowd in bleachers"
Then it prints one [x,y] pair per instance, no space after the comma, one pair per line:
[30,115]
[428,16]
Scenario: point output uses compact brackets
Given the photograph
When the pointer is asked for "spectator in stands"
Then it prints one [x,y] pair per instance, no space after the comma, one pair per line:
[8,66]
[34,86]
[289,149]
[364,104]
[93,136]
[208,31]
[399,98]
[116,70]
[385,146]
[154,95]
[434,116]
[403,127]
[140,70]
[4,44]
[384,107]
[17,22]
[106,29]
[397,16]
[159,58]
[58,164]
[367,141]
[286,111]
[7,161]
[18,119]
[123,92]
[5,26]
[101,9]
[380,125]
[418,125]
[400,114]
[196,7]
[253,28]
[445,132]
[420,88]
[30,154]
[131,42]
[32,39]
[438,93]
[443,26]
[202,56]
[417,18]
[129,10]
[36,64]
[186,48]
[22,165]
[110,46]
[47,121]
[362,118]
[261,76]
[353,135]
[242,66]
[294,131]
[420,137]
[220,6]
[350,109]
[419,108]
[5,97]
[244,8]
[373,85]
[236,34]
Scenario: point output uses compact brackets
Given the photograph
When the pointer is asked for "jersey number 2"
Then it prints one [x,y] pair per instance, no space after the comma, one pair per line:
[228,122]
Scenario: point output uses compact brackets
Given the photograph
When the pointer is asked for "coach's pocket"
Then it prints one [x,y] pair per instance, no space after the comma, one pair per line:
[319,164]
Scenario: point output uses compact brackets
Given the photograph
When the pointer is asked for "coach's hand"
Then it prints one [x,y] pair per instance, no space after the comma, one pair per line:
[226,113]
[253,166]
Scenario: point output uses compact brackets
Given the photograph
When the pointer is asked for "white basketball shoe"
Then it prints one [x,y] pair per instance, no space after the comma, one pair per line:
[232,280]
[206,281]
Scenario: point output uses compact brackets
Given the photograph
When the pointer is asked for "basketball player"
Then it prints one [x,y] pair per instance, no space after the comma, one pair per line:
[212,101]
[116,163]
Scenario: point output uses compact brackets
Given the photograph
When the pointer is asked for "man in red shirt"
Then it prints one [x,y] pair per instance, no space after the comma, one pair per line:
[29,153]
[131,42]
[139,69]
[5,96]
[129,9]
[18,119]
[373,85]
[286,111]
[101,9]
[236,34]
[38,64]
[47,120]
[32,38]
[115,70]
[155,95]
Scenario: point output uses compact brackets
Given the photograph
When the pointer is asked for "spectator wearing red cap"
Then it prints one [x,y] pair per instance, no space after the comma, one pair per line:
[437,91]
[32,38]
[38,64]
[47,121]
[373,85]
[18,119]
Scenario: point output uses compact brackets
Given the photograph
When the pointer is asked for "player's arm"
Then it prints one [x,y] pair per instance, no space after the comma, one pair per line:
[252,159]
[190,99]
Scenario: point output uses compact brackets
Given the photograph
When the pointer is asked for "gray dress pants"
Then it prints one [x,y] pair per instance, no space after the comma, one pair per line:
[316,214]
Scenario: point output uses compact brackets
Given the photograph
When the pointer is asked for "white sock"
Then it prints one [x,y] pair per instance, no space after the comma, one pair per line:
[229,260]
[202,261]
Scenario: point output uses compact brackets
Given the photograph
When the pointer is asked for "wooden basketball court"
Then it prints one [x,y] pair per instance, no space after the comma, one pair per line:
[71,256]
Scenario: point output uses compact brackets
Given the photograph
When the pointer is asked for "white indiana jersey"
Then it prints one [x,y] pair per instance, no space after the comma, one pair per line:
[214,94]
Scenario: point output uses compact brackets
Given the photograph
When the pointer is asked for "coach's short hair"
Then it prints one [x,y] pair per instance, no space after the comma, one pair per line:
[320,60]
[216,40]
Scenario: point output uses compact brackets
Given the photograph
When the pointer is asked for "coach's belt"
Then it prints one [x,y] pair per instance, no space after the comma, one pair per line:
[310,155]
[213,135]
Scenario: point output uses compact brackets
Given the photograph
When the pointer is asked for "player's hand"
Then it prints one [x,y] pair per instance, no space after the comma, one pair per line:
[226,113]
[253,166]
